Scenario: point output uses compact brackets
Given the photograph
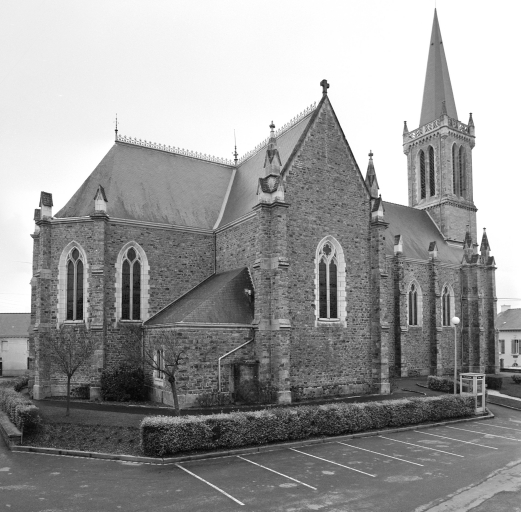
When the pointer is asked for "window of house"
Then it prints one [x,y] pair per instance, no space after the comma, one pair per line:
[74,286]
[5,345]
[501,346]
[132,288]
[330,282]
[423,185]
[432,173]
[515,346]
[159,364]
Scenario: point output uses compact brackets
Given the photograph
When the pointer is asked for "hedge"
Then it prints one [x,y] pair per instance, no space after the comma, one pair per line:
[166,435]
[443,384]
[19,409]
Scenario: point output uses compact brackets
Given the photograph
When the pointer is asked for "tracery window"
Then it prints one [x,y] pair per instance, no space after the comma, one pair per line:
[74,300]
[328,282]
[423,191]
[131,286]
[132,283]
[432,174]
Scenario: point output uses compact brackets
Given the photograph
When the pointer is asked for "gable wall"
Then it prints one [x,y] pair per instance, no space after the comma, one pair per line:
[327,197]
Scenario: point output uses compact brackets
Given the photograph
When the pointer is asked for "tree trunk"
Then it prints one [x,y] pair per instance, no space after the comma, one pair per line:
[174,394]
[68,394]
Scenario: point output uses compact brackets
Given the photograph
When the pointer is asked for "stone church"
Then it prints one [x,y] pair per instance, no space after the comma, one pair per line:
[284,266]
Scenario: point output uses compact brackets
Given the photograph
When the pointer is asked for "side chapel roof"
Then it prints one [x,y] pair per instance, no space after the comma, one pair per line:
[418,231]
[224,298]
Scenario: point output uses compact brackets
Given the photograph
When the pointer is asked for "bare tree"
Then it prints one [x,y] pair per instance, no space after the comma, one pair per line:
[163,354]
[67,350]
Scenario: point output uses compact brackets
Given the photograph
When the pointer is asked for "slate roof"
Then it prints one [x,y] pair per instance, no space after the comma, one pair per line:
[15,325]
[221,299]
[155,186]
[437,80]
[418,230]
[243,194]
[509,320]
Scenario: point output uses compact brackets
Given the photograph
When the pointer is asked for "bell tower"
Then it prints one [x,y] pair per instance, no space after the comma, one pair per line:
[439,152]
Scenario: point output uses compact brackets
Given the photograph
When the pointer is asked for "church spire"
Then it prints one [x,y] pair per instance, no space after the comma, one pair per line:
[370,178]
[437,88]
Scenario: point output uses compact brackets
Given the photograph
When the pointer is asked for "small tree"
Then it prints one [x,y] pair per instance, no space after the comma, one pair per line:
[163,354]
[67,350]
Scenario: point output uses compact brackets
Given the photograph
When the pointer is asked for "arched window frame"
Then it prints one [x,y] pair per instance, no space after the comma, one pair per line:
[455,173]
[414,305]
[421,165]
[61,316]
[447,293]
[432,172]
[144,276]
[462,172]
[338,256]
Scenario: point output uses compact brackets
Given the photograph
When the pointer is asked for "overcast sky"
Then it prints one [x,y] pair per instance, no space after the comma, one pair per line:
[189,73]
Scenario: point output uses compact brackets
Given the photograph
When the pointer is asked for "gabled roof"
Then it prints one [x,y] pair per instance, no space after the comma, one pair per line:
[243,194]
[438,88]
[155,186]
[224,298]
[418,231]
[509,320]
[15,325]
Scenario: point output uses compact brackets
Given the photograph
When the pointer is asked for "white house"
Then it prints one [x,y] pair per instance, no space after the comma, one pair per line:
[509,325]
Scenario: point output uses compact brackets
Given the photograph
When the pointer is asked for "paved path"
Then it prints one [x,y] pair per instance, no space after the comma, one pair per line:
[468,466]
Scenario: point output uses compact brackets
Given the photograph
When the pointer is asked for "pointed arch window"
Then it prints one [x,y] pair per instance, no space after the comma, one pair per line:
[423,190]
[414,304]
[131,286]
[462,173]
[74,286]
[330,282]
[455,188]
[447,306]
[432,173]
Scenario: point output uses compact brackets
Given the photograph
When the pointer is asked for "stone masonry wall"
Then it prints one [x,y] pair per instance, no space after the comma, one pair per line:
[327,196]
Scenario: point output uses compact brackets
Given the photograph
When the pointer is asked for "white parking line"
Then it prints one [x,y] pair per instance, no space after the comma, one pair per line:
[377,453]
[499,426]
[211,485]
[331,462]
[484,433]
[281,474]
[452,439]
[424,447]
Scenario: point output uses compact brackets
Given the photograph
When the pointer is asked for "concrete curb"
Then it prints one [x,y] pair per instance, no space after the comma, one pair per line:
[160,461]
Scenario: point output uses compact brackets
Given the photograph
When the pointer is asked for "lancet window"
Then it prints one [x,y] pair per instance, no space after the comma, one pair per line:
[432,173]
[462,173]
[328,282]
[423,185]
[131,286]
[415,304]
[74,298]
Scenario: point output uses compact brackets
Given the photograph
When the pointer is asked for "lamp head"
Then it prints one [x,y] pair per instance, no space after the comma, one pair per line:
[455,321]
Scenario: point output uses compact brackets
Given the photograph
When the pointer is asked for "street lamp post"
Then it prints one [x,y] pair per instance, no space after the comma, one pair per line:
[455,321]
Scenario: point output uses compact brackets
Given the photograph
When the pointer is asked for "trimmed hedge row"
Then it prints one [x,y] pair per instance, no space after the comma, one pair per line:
[19,409]
[443,384]
[165,435]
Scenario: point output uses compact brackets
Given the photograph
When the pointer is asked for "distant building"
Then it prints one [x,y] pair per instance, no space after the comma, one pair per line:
[14,339]
[508,324]
[285,266]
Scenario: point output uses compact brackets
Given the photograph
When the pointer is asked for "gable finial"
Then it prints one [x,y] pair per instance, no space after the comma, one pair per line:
[116,130]
[325,86]
[235,154]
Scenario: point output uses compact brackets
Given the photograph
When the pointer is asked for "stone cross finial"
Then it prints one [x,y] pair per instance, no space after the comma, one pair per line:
[325,86]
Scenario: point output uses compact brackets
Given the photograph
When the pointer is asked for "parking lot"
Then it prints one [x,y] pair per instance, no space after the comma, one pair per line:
[403,471]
